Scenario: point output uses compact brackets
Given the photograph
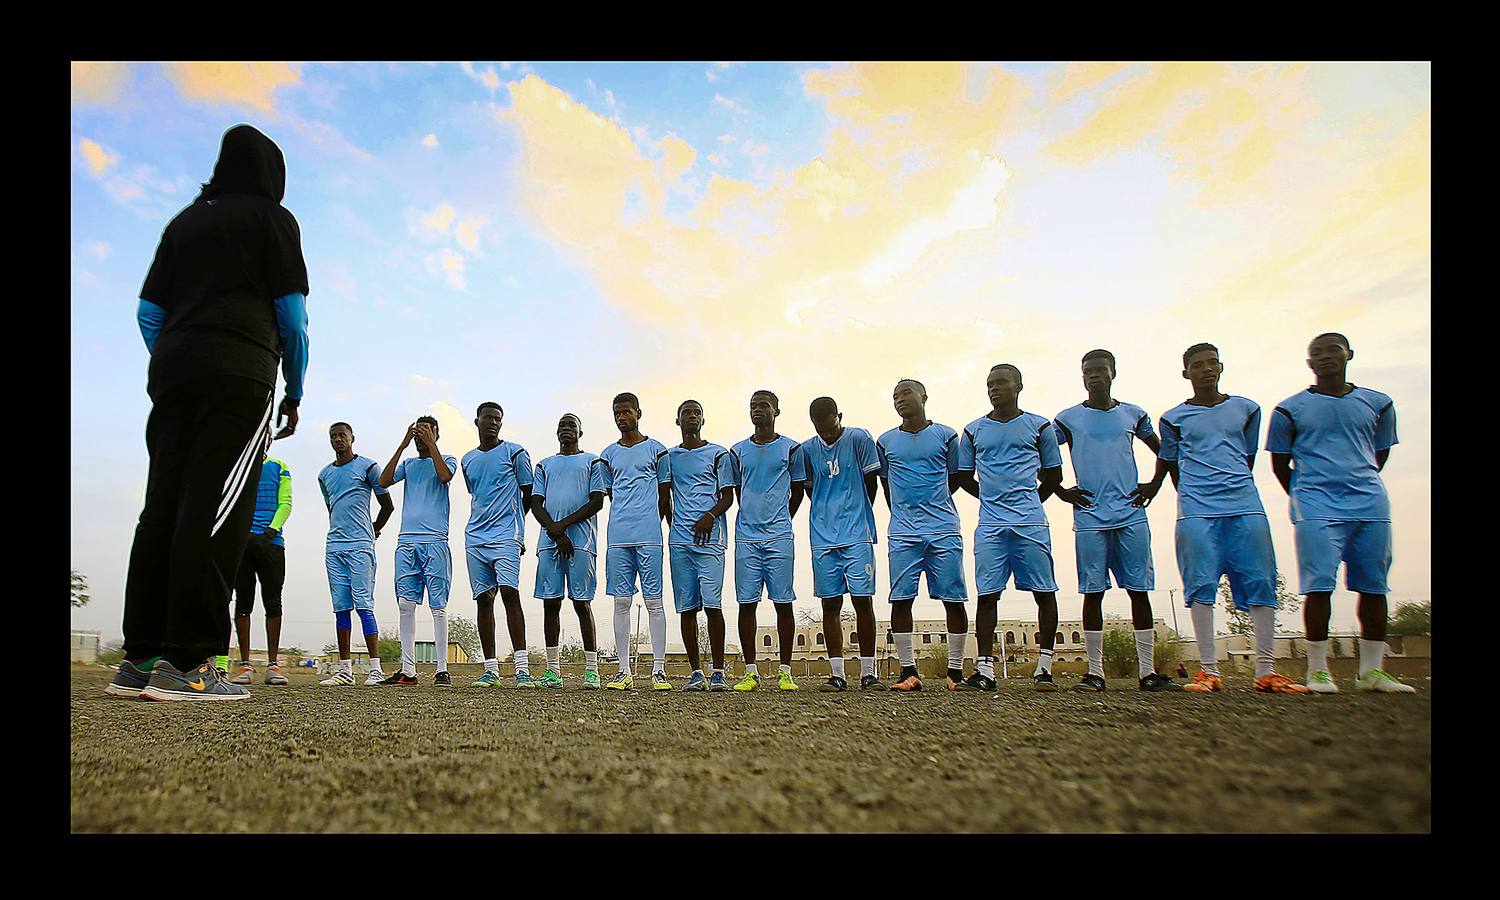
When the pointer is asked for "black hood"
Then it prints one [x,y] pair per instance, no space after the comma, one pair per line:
[249,163]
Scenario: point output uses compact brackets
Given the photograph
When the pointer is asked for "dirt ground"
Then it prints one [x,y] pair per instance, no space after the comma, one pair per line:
[425,759]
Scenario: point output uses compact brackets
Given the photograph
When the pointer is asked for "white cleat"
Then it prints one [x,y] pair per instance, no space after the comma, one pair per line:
[1379,681]
[375,677]
[339,679]
[1320,682]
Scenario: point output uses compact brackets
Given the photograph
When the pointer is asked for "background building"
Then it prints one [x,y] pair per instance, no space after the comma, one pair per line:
[85,646]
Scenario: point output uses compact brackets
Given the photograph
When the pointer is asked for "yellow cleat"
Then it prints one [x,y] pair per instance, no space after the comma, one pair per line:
[621,682]
[750,682]
[784,682]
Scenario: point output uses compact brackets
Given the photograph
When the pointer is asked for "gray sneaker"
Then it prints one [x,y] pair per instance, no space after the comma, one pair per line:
[203,683]
[129,681]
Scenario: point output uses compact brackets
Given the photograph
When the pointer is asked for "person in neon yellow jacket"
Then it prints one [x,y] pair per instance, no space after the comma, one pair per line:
[265,561]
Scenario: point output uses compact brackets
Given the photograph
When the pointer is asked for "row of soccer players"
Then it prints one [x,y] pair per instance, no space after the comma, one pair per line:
[1328,444]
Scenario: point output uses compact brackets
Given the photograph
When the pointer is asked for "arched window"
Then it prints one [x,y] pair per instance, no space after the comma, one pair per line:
[1076,638]
[1010,637]
[926,637]
[1039,638]
[820,639]
[766,642]
[943,637]
[1023,638]
[853,637]
[1060,638]
[801,640]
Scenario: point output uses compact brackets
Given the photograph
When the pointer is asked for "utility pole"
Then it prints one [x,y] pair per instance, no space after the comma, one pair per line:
[1172,592]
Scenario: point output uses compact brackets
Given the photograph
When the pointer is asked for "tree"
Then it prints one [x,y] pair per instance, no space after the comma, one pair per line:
[292,652]
[572,652]
[80,590]
[390,647]
[1119,652]
[466,634]
[1239,620]
[705,652]
[1166,652]
[330,648]
[1411,618]
[111,653]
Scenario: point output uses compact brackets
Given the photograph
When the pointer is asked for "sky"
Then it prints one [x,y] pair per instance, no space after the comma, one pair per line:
[548,235]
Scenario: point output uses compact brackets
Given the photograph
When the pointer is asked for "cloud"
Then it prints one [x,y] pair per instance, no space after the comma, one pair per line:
[251,85]
[435,222]
[449,264]
[99,82]
[99,160]
[486,77]
[730,104]
[677,156]
[430,141]
[98,249]
[466,233]
[710,75]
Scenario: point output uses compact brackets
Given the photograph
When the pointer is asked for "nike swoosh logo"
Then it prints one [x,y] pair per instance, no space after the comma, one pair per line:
[196,685]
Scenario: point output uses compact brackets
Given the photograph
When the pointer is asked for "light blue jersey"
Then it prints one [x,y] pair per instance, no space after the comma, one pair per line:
[633,474]
[424,504]
[764,474]
[1005,457]
[1211,445]
[346,491]
[494,478]
[841,514]
[918,466]
[1099,443]
[697,478]
[567,480]
[1333,442]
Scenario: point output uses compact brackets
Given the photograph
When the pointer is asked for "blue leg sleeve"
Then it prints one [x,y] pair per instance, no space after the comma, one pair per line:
[341,620]
[367,618]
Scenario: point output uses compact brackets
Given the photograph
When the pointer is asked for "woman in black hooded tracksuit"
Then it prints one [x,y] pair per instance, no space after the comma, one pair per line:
[223,303]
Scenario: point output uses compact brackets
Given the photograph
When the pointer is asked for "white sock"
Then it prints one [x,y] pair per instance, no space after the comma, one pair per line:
[440,637]
[837,665]
[1371,655]
[622,634]
[521,665]
[1203,632]
[408,636]
[1145,651]
[1043,661]
[656,616]
[866,666]
[591,660]
[347,665]
[374,664]
[956,651]
[1093,642]
[554,658]
[1317,655]
[904,652]
[784,668]
[986,666]
[492,665]
[1264,620]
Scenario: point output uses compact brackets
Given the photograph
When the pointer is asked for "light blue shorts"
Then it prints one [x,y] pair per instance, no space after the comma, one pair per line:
[351,578]
[1124,552]
[421,566]
[494,565]
[576,574]
[625,566]
[1022,551]
[1363,547]
[940,556]
[765,566]
[697,577]
[1237,546]
[844,570]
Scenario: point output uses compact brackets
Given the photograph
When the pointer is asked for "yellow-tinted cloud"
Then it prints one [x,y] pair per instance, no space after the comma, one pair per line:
[99,82]
[430,141]
[439,219]
[98,159]
[466,233]
[250,85]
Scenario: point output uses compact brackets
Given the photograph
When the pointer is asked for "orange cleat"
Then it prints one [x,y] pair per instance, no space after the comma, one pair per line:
[1204,683]
[909,683]
[954,685]
[1273,683]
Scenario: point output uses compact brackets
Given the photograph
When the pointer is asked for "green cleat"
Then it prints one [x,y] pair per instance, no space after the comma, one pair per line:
[750,682]
[524,680]
[659,682]
[784,682]
[1382,682]
[591,680]
[487,680]
[552,679]
[621,682]
[1320,682]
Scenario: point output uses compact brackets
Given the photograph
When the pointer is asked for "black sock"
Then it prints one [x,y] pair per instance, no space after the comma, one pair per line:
[956,674]
[908,671]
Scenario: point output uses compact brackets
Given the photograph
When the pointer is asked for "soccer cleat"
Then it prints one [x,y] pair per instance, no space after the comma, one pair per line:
[1377,680]
[750,682]
[909,683]
[339,679]
[551,678]
[274,676]
[1274,683]
[696,683]
[591,680]
[718,683]
[1043,682]
[129,681]
[784,682]
[1158,682]
[376,677]
[976,682]
[834,685]
[524,680]
[871,683]
[203,683]
[401,678]
[1320,682]
[1092,683]
[487,680]
[659,682]
[953,683]
[1204,683]
[621,682]
[246,675]
[442,678]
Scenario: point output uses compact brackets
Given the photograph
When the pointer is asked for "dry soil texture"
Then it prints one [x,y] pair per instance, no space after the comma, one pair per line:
[426,759]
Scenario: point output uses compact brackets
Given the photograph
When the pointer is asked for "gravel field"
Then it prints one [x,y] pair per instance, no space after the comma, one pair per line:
[424,759]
